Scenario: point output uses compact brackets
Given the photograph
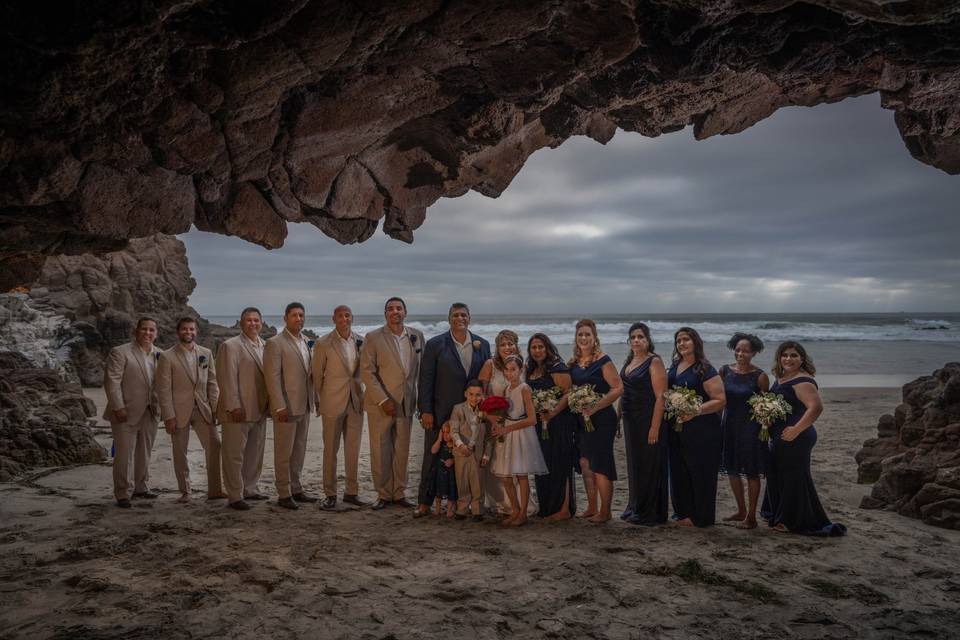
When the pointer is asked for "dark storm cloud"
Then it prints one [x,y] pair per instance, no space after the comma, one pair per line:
[812,209]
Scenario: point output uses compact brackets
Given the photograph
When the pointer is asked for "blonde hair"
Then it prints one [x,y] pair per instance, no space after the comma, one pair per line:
[499,362]
[597,352]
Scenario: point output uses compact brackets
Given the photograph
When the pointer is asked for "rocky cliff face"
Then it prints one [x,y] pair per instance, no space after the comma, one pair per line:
[81,306]
[914,462]
[121,120]
[43,420]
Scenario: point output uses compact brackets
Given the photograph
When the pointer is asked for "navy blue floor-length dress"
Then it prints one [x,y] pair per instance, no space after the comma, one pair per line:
[647,477]
[559,453]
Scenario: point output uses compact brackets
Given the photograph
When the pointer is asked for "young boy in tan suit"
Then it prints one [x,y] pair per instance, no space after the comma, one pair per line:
[471,451]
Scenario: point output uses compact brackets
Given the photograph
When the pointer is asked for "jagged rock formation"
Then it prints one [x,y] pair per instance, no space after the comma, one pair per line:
[43,420]
[121,120]
[915,460]
[81,306]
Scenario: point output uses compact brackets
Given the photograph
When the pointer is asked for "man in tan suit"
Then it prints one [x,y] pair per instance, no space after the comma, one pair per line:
[286,368]
[132,410]
[188,392]
[336,377]
[243,410]
[390,366]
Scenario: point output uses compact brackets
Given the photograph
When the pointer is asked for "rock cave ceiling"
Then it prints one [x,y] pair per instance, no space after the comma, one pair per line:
[125,119]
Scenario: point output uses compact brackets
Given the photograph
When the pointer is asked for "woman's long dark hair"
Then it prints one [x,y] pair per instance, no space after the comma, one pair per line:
[700,362]
[646,331]
[552,357]
[806,362]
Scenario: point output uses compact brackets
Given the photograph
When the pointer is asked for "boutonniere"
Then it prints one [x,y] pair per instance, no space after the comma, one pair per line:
[476,345]
[310,343]
[203,361]
[156,355]
[413,341]
[359,344]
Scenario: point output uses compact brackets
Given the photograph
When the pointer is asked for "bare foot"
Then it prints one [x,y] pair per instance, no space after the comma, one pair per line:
[589,513]
[184,498]
[749,523]
[685,522]
[781,528]
[599,518]
[737,517]
[558,516]
[517,522]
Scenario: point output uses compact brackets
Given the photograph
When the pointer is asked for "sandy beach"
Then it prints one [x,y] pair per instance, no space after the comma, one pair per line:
[72,565]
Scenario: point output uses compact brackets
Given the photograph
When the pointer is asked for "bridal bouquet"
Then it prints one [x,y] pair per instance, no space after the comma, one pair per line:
[767,408]
[583,397]
[494,406]
[545,401]
[681,401]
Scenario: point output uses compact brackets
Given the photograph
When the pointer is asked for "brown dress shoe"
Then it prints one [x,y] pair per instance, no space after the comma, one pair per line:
[354,500]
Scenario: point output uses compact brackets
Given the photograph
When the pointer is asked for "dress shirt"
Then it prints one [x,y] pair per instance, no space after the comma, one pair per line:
[304,349]
[348,347]
[256,345]
[465,351]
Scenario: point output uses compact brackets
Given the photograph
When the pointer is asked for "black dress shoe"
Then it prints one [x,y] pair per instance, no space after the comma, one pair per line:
[288,503]
[302,497]
[354,500]
[256,496]
[124,503]
[478,517]
[460,516]
[329,503]
[403,502]
[146,495]
[239,505]
[380,504]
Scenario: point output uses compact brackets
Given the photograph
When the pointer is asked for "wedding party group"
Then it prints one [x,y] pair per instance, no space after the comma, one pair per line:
[491,420]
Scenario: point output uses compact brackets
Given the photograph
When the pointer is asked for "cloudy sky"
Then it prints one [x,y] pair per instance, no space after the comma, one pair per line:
[810,210]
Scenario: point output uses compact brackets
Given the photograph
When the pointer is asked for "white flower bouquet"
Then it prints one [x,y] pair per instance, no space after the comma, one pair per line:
[583,397]
[545,401]
[767,408]
[681,401]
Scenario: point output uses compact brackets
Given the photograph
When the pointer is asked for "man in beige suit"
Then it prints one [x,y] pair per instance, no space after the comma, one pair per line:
[286,368]
[243,410]
[132,410]
[390,366]
[188,392]
[336,377]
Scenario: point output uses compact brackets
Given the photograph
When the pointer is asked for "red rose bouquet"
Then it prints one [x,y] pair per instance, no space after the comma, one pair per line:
[495,406]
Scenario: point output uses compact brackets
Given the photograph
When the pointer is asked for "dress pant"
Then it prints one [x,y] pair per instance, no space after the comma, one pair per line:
[243,444]
[210,440]
[469,487]
[289,451]
[133,444]
[349,427]
[389,452]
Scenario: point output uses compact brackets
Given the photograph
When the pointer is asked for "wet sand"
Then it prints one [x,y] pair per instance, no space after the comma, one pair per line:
[72,565]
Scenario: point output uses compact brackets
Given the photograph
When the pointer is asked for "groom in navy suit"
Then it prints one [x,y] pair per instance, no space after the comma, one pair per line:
[450,360]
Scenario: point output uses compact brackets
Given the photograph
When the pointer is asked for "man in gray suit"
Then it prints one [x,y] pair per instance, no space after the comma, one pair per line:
[132,410]
[188,392]
[390,366]
[287,369]
[336,377]
[243,410]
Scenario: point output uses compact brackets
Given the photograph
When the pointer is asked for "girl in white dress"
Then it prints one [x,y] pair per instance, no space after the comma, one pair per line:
[519,454]
[495,384]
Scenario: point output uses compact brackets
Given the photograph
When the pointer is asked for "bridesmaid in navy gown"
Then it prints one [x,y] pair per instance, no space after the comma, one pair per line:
[589,365]
[556,496]
[743,452]
[794,504]
[644,431]
[695,450]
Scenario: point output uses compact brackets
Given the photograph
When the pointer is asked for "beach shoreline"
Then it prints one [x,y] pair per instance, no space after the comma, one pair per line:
[73,565]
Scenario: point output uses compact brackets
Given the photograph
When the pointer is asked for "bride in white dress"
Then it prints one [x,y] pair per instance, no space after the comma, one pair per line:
[519,455]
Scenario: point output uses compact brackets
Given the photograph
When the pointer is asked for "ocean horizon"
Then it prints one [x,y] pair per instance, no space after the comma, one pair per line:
[849,349]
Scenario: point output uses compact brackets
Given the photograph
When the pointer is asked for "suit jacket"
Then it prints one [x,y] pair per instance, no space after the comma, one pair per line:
[383,374]
[180,386]
[288,379]
[466,428]
[338,385]
[442,378]
[127,383]
[241,381]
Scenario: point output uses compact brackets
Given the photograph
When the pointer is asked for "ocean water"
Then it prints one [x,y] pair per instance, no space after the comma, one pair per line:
[849,350]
